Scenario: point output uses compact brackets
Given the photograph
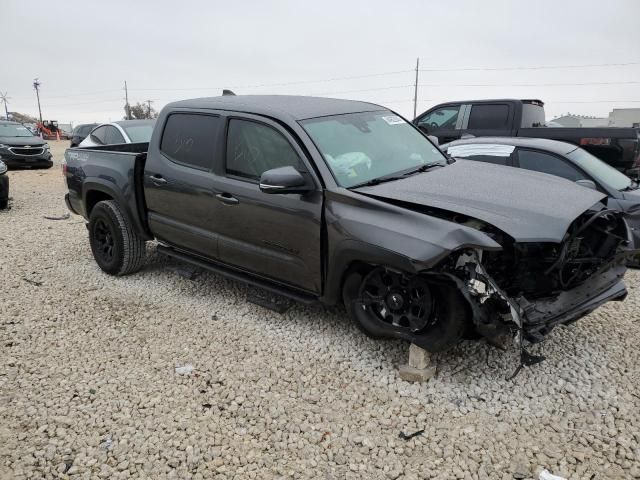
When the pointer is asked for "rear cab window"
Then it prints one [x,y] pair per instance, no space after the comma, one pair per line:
[190,139]
[532,115]
[489,116]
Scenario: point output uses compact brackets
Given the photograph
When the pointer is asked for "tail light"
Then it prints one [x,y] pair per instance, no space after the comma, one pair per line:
[595,141]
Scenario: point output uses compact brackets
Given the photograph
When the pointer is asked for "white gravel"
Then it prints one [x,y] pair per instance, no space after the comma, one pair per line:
[89,386]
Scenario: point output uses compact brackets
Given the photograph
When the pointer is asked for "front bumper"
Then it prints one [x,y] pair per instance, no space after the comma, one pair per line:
[26,161]
[542,315]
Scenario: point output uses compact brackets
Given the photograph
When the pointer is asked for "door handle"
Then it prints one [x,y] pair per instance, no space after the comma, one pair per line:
[227,199]
[158,180]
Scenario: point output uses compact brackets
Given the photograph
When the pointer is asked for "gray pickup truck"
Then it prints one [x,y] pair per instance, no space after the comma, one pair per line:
[619,147]
[339,201]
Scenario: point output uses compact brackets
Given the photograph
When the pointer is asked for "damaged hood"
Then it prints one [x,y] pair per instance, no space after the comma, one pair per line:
[528,206]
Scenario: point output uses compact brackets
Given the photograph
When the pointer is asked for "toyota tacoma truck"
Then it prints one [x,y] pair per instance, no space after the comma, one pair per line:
[619,147]
[336,201]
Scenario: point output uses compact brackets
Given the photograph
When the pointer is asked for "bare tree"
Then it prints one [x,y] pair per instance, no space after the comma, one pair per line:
[141,111]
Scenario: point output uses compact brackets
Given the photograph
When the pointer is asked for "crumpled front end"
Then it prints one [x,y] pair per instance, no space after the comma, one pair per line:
[532,287]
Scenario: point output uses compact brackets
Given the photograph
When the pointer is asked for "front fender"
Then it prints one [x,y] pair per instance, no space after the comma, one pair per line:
[362,229]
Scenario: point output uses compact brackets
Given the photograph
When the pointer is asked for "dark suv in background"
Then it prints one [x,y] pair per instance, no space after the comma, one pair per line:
[80,132]
[19,147]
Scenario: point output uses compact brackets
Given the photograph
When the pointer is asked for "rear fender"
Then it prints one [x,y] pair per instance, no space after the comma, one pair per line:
[127,203]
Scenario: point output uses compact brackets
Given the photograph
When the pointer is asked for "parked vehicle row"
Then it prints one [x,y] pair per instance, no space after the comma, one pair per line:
[618,147]
[20,148]
[339,201]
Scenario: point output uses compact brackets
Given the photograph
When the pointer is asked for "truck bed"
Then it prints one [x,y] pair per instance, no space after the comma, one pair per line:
[113,171]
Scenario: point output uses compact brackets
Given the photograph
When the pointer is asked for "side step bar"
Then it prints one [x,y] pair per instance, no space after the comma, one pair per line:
[290,293]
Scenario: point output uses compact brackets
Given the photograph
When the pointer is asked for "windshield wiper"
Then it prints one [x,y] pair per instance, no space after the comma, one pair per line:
[422,168]
[397,176]
[376,181]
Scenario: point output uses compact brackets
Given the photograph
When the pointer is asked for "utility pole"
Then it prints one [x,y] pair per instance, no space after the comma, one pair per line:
[127,108]
[149,110]
[415,90]
[36,86]
[4,98]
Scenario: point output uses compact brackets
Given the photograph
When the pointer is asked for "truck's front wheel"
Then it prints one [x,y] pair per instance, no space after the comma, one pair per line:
[116,247]
[388,304]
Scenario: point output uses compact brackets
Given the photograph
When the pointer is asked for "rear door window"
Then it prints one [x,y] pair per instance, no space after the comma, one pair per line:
[113,136]
[489,117]
[547,163]
[100,134]
[441,119]
[191,139]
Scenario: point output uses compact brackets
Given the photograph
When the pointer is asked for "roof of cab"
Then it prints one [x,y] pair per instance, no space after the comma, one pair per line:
[282,107]
[554,146]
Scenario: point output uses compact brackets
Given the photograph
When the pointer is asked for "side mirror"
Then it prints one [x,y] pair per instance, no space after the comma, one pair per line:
[283,180]
[587,183]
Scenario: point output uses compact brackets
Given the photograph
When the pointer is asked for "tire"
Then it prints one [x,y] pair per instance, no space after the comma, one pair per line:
[117,249]
[445,324]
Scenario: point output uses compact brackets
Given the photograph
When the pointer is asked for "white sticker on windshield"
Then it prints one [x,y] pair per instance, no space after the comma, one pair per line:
[393,120]
[489,149]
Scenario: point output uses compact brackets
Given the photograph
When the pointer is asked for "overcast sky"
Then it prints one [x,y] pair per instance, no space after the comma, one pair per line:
[82,52]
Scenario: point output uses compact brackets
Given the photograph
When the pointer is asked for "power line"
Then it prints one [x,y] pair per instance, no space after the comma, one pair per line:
[525,84]
[532,67]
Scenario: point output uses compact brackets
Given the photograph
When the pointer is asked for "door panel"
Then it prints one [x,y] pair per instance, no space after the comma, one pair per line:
[273,235]
[178,182]
[181,209]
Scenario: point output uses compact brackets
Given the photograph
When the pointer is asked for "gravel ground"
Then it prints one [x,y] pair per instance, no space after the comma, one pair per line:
[88,387]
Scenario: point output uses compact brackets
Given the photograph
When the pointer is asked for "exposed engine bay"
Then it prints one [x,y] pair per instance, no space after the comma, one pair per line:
[531,287]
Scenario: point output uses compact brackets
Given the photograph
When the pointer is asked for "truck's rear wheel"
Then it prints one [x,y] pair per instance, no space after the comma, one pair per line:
[116,247]
[387,304]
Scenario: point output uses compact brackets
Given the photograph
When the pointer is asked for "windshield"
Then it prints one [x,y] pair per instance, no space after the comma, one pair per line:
[360,147]
[139,133]
[599,170]
[14,130]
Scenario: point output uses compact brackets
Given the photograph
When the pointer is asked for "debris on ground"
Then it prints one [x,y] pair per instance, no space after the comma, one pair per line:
[404,436]
[547,475]
[185,369]
[33,282]
[66,216]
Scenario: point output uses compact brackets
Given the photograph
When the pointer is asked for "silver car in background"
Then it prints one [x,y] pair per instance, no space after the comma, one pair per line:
[124,131]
